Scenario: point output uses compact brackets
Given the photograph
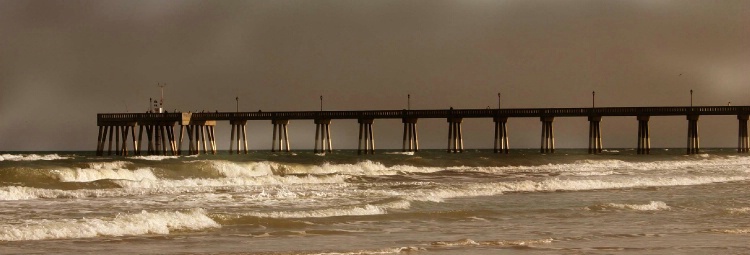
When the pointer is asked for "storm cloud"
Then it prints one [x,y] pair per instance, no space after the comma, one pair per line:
[61,62]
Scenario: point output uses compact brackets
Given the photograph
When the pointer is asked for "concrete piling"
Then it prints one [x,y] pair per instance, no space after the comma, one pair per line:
[239,128]
[644,136]
[743,143]
[323,130]
[411,137]
[366,136]
[501,144]
[548,135]
[693,141]
[282,126]
[455,135]
[595,135]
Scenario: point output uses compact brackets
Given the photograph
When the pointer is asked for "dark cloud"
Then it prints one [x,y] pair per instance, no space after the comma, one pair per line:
[61,62]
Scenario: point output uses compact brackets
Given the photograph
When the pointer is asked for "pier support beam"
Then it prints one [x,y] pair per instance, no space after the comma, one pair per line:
[455,135]
[323,129]
[411,136]
[644,136]
[179,143]
[595,135]
[743,143]
[123,151]
[548,135]
[239,127]
[116,131]
[365,131]
[99,143]
[282,127]
[137,141]
[501,135]
[198,133]
[694,142]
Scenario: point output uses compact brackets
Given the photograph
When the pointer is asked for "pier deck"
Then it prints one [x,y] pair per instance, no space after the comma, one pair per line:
[200,126]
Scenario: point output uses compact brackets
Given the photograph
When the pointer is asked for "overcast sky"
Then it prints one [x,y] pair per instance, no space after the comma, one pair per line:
[61,62]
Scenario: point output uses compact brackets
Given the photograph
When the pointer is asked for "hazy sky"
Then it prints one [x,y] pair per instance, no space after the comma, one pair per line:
[61,62]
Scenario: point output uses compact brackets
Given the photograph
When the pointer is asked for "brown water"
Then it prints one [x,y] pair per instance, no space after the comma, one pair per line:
[424,203]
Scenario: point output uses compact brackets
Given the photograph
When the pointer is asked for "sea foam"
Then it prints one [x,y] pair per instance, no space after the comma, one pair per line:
[651,206]
[333,212]
[160,223]
[89,175]
[438,194]
[30,157]
[154,157]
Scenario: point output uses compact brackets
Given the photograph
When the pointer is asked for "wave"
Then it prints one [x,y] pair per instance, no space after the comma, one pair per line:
[469,242]
[741,210]
[154,157]
[233,170]
[651,206]
[160,223]
[399,250]
[410,153]
[732,231]
[334,212]
[611,166]
[30,157]
[266,168]
[89,175]
[577,168]
[438,194]
[226,182]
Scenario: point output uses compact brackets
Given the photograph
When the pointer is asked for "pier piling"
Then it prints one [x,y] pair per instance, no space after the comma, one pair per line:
[743,144]
[595,135]
[411,136]
[455,135]
[548,135]
[644,137]
[693,143]
[282,126]
[501,135]
[366,136]
[323,129]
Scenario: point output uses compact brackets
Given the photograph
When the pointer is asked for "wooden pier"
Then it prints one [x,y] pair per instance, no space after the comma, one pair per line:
[160,127]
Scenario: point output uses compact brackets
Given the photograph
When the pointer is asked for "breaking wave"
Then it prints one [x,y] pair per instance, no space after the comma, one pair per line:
[334,212]
[651,206]
[469,242]
[438,194]
[154,157]
[143,223]
[30,157]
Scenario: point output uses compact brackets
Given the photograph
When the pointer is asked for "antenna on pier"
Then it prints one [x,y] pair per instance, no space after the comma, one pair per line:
[161,102]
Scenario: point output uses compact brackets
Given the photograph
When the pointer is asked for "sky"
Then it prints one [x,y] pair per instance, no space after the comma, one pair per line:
[62,62]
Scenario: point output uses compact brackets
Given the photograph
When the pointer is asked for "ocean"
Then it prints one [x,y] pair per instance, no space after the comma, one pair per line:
[429,202]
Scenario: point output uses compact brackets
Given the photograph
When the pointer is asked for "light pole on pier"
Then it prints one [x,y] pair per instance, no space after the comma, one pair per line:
[161,101]
[238,103]
[408,101]
[593,99]
[498,100]
[691,98]
[321,103]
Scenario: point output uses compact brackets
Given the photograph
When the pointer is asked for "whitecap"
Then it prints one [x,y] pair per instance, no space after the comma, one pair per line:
[30,157]
[143,223]
[334,212]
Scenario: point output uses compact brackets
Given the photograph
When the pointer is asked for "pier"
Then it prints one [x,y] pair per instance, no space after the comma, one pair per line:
[160,128]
